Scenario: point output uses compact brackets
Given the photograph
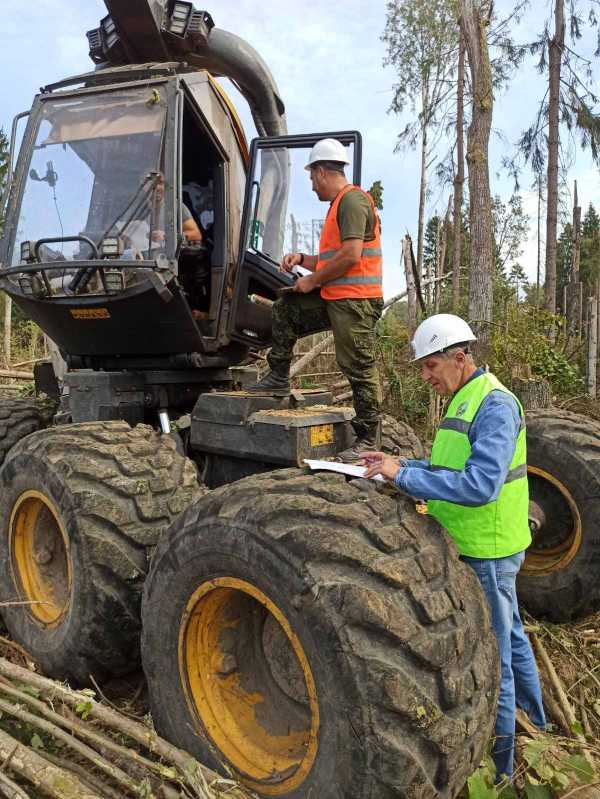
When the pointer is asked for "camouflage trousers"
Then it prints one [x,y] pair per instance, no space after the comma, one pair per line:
[352,323]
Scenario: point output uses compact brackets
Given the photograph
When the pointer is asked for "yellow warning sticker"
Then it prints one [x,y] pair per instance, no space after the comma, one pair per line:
[321,434]
[90,313]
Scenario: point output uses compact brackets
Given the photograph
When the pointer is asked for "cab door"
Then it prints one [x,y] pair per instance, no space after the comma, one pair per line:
[281,215]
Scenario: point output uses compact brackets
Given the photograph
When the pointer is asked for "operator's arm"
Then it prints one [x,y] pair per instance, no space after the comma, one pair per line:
[493,440]
[189,227]
[356,223]
[191,230]
[417,463]
[298,259]
[337,266]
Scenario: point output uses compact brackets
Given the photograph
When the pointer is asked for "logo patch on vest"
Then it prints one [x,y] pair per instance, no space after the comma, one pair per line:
[462,408]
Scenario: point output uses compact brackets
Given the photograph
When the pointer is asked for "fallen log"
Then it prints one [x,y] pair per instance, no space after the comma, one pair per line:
[85,751]
[15,374]
[189,771]
[50,779]
[561,696]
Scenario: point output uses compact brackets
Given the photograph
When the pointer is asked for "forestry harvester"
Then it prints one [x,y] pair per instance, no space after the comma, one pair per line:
[314,636]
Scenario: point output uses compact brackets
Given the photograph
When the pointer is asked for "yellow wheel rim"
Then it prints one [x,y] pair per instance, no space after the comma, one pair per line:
[39,556]
[249,684]
[556,524]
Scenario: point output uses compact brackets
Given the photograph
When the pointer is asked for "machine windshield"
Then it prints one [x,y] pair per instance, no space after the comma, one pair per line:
[95,171]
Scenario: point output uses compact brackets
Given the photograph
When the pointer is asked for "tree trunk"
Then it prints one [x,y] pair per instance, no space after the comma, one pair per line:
[438,245]
[441,259]
[592,346]
[480,213]
[50,779]
[7,329]
[574,308]
[533,393]
[555,61]
[539,243]
[459,177]
[411,290]
[423,188]
[597,295]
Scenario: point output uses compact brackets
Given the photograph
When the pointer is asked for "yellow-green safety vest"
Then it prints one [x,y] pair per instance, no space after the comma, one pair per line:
[501,527]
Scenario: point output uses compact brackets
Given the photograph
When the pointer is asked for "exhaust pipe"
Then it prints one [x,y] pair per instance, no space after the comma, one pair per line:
[230,56]
[140,31]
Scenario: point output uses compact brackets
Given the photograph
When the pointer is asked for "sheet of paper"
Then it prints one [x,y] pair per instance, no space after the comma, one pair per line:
[342,468]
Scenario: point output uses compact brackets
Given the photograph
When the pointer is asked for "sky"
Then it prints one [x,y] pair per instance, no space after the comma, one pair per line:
[327,60]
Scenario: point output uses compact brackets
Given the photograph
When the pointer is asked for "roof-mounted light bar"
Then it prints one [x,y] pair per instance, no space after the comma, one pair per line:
[179,18]
[191,27]
[105,43]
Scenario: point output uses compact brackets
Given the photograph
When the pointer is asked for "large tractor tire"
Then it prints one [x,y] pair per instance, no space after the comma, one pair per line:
[560,579]
[398,438]
[82,508]
[19,418]
[318,638]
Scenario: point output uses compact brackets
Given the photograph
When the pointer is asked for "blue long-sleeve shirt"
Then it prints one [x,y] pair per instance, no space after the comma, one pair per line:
[493,438]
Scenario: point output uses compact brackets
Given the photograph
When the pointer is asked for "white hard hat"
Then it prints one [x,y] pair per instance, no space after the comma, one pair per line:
[439,332]
[327,150]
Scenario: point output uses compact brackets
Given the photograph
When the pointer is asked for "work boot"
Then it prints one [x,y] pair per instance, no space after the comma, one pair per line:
[275,384]
[368,440]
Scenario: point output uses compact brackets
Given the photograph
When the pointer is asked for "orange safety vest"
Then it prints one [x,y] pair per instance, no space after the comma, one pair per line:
[363,279]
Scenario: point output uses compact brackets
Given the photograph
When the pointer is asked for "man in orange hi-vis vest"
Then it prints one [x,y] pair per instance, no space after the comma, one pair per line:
[343,291]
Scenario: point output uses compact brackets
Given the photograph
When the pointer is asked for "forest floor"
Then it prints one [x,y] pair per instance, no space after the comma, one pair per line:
[100,744]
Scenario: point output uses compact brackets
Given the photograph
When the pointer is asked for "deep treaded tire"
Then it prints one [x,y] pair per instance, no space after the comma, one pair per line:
[393,627]
[19,418]
[560,579]
[398,438]
[82,508]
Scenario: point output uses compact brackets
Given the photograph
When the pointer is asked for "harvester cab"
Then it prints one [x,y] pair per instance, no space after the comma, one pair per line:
[110,162]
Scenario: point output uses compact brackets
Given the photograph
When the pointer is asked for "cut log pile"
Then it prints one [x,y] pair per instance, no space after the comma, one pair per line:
[65,744]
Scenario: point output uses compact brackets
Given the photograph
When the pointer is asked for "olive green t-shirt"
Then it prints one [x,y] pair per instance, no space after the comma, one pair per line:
[355,217]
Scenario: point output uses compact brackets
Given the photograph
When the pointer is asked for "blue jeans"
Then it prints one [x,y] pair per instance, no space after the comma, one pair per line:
[519,679]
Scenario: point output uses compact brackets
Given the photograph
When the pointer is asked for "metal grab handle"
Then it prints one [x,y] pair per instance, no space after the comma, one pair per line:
[11,154]
[60,240]
[253,231]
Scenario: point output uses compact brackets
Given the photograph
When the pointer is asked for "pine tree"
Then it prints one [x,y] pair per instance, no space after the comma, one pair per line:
[566,108]
[564,257]
[430,245]
[590,250]
[591,223]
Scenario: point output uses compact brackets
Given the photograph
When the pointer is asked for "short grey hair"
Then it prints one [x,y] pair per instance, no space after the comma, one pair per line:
[465,347]
[329,166]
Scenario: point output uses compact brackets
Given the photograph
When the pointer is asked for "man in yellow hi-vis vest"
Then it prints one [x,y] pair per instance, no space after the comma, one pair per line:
[475,484]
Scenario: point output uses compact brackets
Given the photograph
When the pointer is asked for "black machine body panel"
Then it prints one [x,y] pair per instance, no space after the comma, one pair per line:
[279,431]
[135,322]
[135,396]
[105,396]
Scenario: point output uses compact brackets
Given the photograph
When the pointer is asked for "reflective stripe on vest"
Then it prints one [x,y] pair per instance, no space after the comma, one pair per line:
[363,280]
[367,252]
[500,528]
